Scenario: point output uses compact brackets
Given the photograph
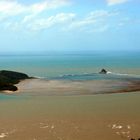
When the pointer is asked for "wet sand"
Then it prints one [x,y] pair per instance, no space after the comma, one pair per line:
[32,114]
[99,117]
[69,88]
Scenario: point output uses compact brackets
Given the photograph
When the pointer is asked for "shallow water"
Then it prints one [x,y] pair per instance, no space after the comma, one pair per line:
[113,116]
[30,114]
[80,84]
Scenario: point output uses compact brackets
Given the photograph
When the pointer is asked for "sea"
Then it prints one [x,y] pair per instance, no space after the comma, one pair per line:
[76,116]
[76,66]
[51,65]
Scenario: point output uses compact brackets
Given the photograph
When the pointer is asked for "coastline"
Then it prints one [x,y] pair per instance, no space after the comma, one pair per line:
[54,109]
[67,88]
[8,79]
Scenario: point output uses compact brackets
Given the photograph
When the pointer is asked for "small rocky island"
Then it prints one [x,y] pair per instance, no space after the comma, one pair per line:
[103,71]
[8,79]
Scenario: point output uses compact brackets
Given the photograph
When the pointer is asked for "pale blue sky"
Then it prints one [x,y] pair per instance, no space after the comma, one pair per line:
[69,25]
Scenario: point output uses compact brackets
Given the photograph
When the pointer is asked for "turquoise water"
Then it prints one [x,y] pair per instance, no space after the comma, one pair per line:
[26,116]
[97,76]
[58,64]
[75,66]
[10,97]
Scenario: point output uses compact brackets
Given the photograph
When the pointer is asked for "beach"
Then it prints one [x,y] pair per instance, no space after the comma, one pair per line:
[69,70]
[71,88]
[110,116]
[70,110]
[69,100]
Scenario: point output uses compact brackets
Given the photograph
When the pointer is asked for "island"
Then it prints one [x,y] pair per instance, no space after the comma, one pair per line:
[8,79]
[103,71]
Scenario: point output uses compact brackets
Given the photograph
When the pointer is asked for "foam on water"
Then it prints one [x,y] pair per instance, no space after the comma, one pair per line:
[97,76]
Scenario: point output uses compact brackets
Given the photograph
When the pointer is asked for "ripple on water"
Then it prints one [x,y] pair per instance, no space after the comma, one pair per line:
[121,130]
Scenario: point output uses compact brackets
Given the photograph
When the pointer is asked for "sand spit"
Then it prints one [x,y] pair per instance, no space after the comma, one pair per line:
[64,87]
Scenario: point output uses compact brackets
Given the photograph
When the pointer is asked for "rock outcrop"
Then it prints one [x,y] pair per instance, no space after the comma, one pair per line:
[8,79]
[103,71]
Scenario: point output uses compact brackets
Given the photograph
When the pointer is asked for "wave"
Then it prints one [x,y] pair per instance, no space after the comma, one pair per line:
[124,74]
[67,75]
[39,77]
[97,76]
[92,76]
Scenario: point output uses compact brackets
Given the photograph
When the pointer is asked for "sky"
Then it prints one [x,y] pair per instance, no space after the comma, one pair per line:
[69,25]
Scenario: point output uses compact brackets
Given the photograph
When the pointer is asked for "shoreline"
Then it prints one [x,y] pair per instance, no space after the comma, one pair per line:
[12,82]
[66,88]
[8,79]
[75,117]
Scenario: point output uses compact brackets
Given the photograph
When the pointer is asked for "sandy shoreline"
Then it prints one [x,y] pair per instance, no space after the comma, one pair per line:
[104,117]
[55,110]
[41,117]
[62,87]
